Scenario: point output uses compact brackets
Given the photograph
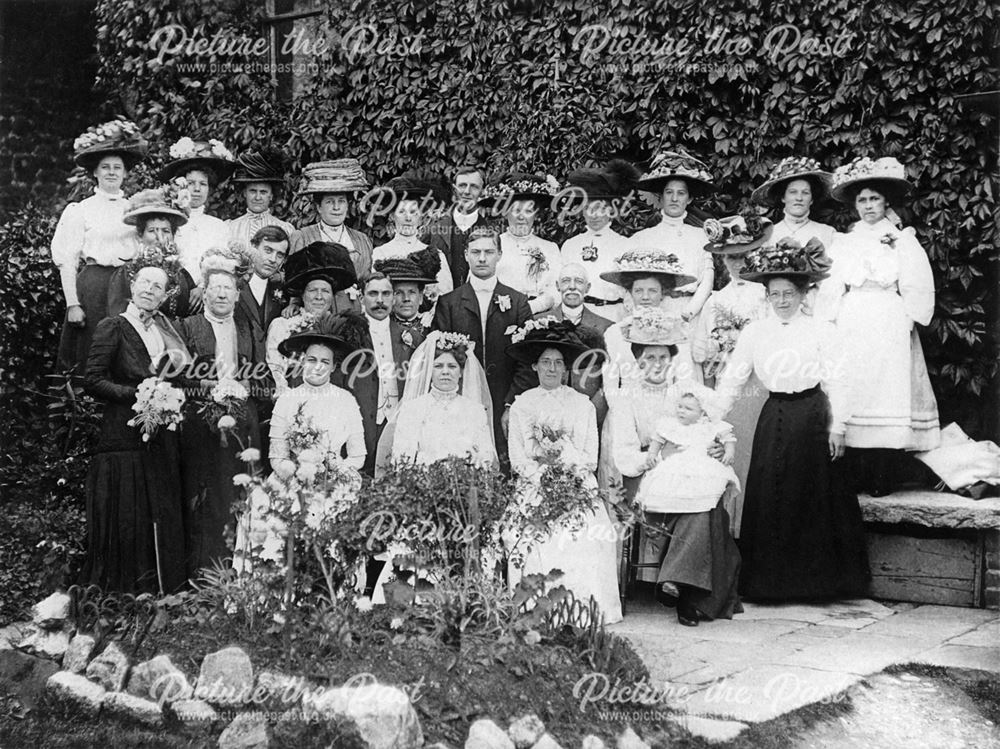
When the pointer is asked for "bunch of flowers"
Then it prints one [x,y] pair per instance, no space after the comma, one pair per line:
[178,195]
[187,148]
[550,439]
[519,334]
[651,325]
[538,263]
[117,130]
[728,324]
[741,229]
[157,403]
[301,322]
[794,165]
[225,407]
[649,260]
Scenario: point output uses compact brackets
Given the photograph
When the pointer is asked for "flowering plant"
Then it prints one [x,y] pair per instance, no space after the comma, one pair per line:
[187,148]
[225,407]
[157,403]
[116,130]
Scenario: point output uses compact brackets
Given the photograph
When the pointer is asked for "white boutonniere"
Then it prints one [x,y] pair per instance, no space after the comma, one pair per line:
[353,292]
[889,239]
[277,295]
[503,302]
[510,329]
[407,338]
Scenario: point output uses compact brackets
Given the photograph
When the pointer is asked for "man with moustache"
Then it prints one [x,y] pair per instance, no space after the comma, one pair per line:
[334,187]
[376,374]
[488,313]
[409,275]
[450,233]
[261,173]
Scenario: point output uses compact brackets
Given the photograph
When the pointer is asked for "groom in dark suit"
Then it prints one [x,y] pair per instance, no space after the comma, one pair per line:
[486,311]
[376,373]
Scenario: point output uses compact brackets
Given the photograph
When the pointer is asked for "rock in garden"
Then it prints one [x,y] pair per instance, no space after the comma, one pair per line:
[23,678]
[226,677]
[77,690]
[280,690]
[52,612]
[110,668]
[525,731]
[158,679]
[384,717]
[247,731]
[77,656]
[591,741]
[485,734]
[629,739]
[14,633]
[130,707]
[47,643]
[194,711]
[545,741]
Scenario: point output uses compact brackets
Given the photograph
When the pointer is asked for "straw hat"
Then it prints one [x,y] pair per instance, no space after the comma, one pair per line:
[644,263]
[677,164]
[651,326]
[886,176]
[788,169]
[336,176]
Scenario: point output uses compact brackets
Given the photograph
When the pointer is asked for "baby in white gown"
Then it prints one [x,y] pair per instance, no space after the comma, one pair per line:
[684,478]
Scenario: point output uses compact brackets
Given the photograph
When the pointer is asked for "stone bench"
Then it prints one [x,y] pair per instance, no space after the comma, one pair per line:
[934,547]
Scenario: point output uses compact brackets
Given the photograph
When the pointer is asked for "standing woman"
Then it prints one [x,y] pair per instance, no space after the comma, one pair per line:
[223,349]
[802,536]
[726,314]
[259,177]
[135,531]
[587,558]
[528,263]
[203,165]
[677,177]
[91,233]
[882,288]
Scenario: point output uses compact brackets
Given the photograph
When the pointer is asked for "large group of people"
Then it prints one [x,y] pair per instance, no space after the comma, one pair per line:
[466,334]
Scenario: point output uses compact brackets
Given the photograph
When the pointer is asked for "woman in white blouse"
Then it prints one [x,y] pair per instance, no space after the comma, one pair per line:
[91,233]
[528,263]
[203,165]
[802,535]
[587,557]
[676,178]
[882,288]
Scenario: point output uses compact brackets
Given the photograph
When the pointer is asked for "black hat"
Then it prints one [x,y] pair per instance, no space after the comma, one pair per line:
[328,261]
[528,342]
[614,181]
[504,189]
[119,137]
[425,187]
[419,267]
[342,333]
[192,154]
[262,165]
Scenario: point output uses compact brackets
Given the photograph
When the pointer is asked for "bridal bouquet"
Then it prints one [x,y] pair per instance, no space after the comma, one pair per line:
[225,407]
[728,325]
[551,440]
[157,403]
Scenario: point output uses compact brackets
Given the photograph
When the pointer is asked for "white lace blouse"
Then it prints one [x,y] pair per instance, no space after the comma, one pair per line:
[565,411]
[440,425]
[330,409]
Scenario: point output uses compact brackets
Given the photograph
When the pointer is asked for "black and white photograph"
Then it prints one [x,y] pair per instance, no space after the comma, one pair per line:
[502,374]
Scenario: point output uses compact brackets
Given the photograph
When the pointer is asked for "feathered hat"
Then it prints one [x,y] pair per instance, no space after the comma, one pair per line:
[419,267]
[612,182]
[425,187]
[262,165]
[328,261]
[677,163]
[343,333]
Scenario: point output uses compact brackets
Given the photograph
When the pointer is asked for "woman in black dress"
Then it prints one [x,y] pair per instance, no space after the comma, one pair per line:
[222,346]
[802,535]
[135,533]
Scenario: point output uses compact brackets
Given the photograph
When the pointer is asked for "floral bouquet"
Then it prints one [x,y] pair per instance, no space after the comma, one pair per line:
[537,263]
[551,439]
[225,407]
[728,325]
[157,403]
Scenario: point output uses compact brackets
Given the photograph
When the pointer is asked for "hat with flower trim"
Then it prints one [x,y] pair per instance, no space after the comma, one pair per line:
[788,169]
[736,235]
[677,163]
[504,189]
[119,137]
[535,336]
[886,176]
[651,326]
[636,264]
[787,258]
[172,201]
[189,154]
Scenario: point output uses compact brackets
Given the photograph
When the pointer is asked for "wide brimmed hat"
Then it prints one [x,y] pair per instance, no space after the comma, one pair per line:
[612,182]
[651,326]
[787,258]
[188,154]
[419,267]
[788,169]
[336,176]
[736,235]
[429,190]
[530,341]
[153,256]
[645,263]
[886,175]
[118,137]
[171,201]
[328,261]
[504,189]
[262,165]
[342,333]
[677,164]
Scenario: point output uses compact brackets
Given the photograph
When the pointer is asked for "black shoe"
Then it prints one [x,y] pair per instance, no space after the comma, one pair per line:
[687,616]
[664,598]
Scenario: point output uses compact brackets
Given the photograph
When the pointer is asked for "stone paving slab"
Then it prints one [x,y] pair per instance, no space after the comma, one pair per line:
[961,656]
[932,509]
[765,692]
[984,636]
[858,653]
[838,611]
[933,623]
[738,630]
[715,651]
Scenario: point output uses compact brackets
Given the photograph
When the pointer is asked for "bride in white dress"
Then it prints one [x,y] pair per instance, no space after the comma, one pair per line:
[587,556]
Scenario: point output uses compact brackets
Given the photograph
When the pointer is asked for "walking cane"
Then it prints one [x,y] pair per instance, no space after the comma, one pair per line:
[156,549]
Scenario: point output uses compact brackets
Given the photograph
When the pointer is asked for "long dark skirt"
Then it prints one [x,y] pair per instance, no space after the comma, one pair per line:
[133,511]
[92,284]
[208,468]
[701,553]
[802,534]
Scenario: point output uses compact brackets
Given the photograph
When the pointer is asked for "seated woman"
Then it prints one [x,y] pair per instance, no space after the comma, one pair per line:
[445,409]
[316,274]
[553,424]
[317,402]
[135,531]
[222,345]
[701,559]
[156,215]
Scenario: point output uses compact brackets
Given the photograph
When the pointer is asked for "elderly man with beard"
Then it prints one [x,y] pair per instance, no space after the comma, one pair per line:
[376,373]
